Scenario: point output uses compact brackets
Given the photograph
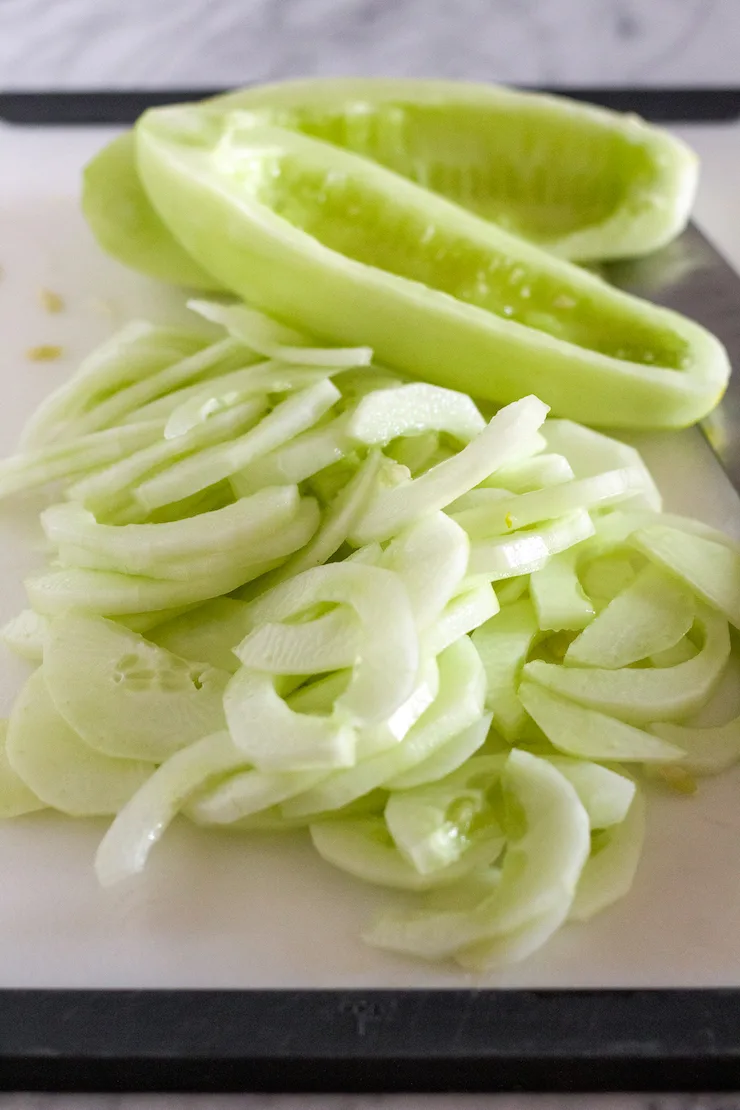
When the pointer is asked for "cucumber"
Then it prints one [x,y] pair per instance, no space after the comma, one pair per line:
[58,766]
[206,634]
[483,312]
[15,797]
[125,696]
[584,182]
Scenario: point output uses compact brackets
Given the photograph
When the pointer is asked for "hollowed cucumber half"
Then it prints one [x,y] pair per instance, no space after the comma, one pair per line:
[349,250]
[584,182]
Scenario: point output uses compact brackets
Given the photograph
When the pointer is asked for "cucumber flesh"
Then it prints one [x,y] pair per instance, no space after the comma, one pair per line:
[472,297]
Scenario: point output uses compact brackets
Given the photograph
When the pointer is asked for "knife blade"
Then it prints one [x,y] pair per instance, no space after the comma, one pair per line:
[691,276]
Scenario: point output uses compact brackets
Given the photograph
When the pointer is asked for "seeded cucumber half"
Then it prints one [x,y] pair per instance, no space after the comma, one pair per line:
[349,250]
[584,182]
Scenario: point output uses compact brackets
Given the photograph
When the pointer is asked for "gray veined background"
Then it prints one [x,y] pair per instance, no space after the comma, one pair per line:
[114,43]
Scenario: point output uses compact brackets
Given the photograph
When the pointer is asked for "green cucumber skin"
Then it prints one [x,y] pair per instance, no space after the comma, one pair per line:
[653,210]
[413,328]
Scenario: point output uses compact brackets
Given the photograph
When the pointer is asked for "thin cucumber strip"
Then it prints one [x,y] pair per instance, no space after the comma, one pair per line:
[386,669]
[709,751]
[589,734]
[650,616]
[528,475]
[711,570]
[105,593]
[503,515]
[446,759]
[503,644]
[125,696]
[103,489]
[124,849]
[145,622]
[319,696]
[540,873]
[433,825]
[590,452]
[606,576]
[299,412]
[642,695]
[25,635]
[337,522]
[410,410]
[530,550]
[297,460]
[431,558]
[558,596]
[133,354]
[606,795]
[260,333]
[363,847]
[71,458]
[58,767]
[417,453]
[497,443]
[247,793]
[140,546]
[463,614]
[459,704]
[329,643]
[15,797]
[207,634]
[610,871]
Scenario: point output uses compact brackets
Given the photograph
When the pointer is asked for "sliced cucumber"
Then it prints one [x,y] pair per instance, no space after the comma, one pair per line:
[207,634]
[127,697]
[58,766]
[483,311]
[15,797]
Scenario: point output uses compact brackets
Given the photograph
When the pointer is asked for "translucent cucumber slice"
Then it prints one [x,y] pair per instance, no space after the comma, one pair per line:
[25,635]
[60,768]
[462,614]
[414,409]
[125,696]
[446,759]
[611,868]
[125,848]
[130,229]
[588,734]
[430,557]
[247,793]
[459,704]
[711,570]
[503,644]
[641,695]
[472,297]
[527,475]
[530,550]
[648,616]
[297,460]
[207,634]
[15,797]
[329,643]
[584,182]
[606,795]
[558,596]
[363,847]
[709,751]
[542,866]
[589,453]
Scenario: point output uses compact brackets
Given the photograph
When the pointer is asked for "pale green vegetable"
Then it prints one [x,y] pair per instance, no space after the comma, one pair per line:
[59,767]
[15,797]
[645,694]
[541,869]
[435,824]
[558,596]
[364,848]
[649,616]
[25,635]
[300,411]
[125,696]
[590,452]
[330,642]
[611,868]
[125,847]
[588,734]
[607,575]
[527,475]
[417,453]
[711,570]
[503,644]
[248,792]
[266,336]
[431,558]
[529,550]
[299,459]
[709,751]
[445,759]
[462,614]
[393,509]
[411,410]
[459,704]
[606,795]
[207,634]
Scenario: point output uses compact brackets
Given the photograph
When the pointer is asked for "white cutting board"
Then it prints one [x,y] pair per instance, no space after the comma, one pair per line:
[222,910]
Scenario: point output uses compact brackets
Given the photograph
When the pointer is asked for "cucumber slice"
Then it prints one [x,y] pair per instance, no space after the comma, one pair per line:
[589,453]
[584,182]
[15,797]
[472,297]
[25,635]
[711,570]
[127,697]
[462,614]
[558,596]
[503,644]
[709,751]
[207,634]
[610,870]
[606,795]
[446,759]
[58,766]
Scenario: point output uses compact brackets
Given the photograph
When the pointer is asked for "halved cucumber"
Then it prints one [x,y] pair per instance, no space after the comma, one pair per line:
[584,182]
[349,250]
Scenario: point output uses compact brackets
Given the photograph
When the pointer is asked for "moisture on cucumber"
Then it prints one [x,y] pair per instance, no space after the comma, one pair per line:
[347,249]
